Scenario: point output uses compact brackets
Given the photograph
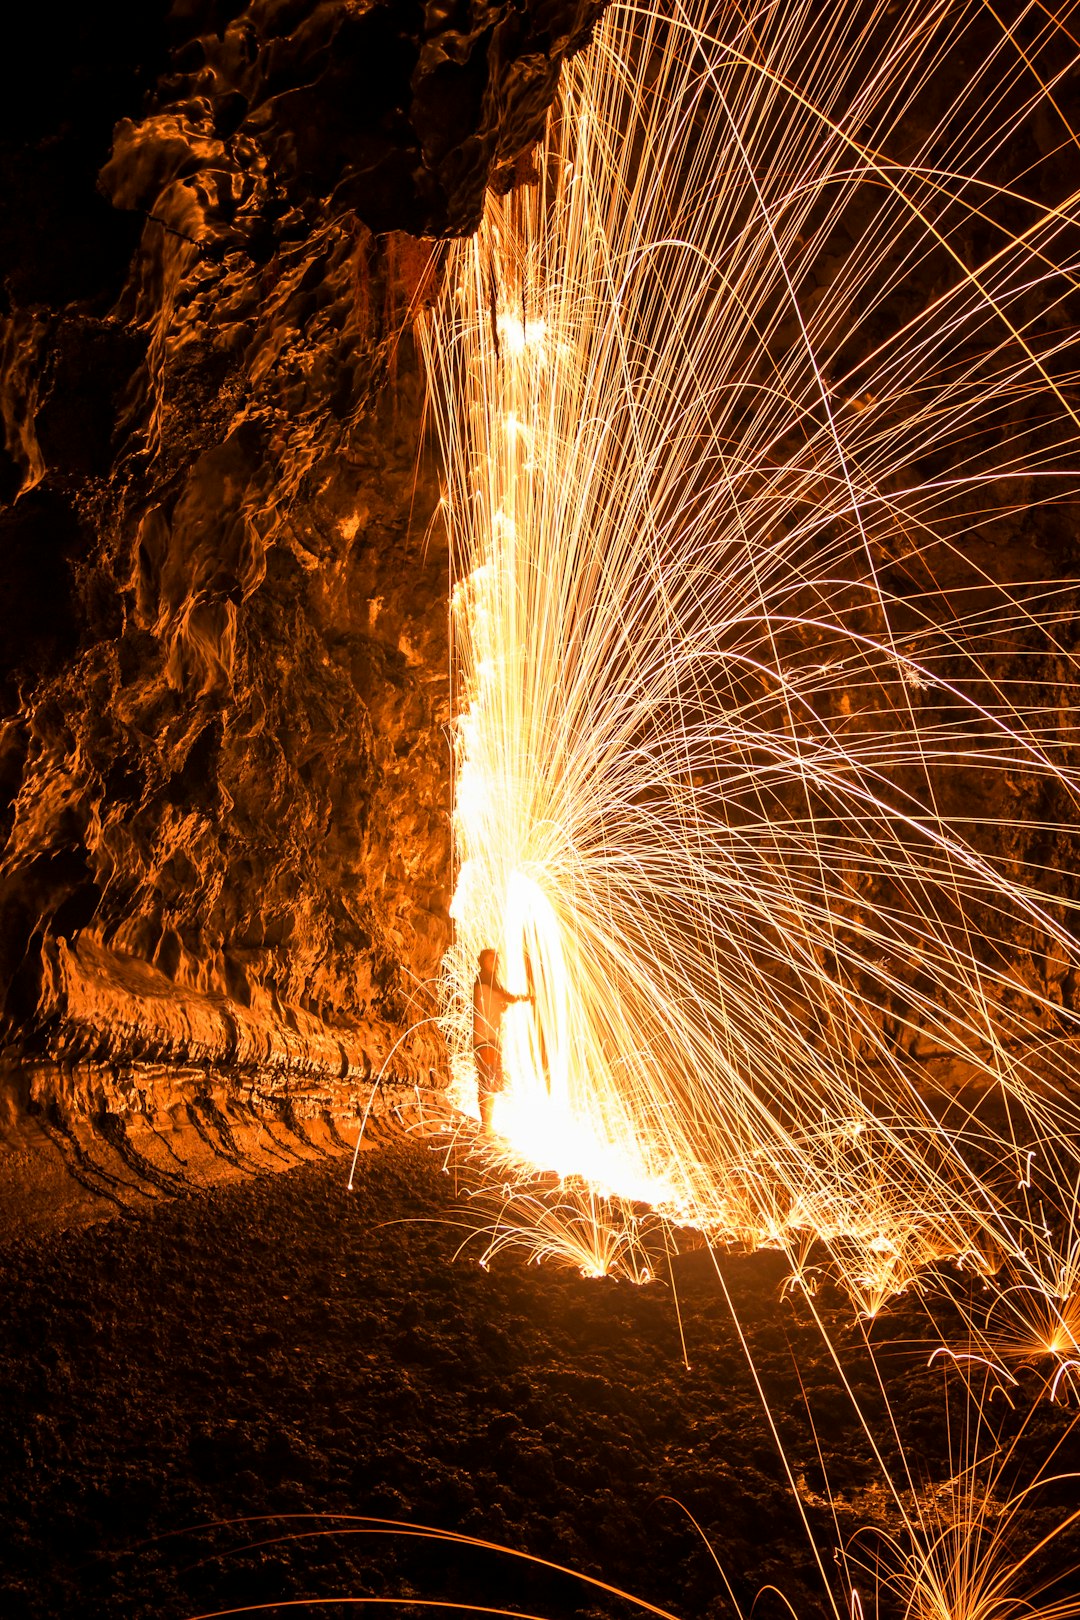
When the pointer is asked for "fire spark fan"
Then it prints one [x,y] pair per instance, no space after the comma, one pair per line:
[734,400]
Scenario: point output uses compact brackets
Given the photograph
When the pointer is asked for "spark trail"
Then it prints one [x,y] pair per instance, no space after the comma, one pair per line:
[735,401]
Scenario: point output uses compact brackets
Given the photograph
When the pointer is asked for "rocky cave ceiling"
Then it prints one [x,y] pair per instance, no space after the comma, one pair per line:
[225,774]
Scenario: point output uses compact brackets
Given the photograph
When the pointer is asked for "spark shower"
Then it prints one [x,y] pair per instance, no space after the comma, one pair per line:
[737,397]
[765,783]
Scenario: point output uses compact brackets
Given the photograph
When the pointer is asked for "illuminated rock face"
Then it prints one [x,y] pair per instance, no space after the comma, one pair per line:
[225,773]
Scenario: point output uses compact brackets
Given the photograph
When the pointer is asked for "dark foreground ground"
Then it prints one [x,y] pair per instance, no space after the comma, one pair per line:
[282,1348]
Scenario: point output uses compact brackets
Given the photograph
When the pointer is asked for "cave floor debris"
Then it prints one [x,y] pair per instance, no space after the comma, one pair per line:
[277,1348]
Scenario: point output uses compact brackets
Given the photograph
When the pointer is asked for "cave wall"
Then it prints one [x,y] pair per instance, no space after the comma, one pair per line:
[224,769]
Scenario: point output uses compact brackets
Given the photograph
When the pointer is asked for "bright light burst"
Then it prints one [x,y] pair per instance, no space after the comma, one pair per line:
[733,402]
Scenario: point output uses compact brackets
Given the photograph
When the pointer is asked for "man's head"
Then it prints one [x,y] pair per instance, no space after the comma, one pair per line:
[486,962]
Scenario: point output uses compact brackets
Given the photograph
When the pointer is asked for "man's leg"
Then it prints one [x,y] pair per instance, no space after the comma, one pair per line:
[487,1084]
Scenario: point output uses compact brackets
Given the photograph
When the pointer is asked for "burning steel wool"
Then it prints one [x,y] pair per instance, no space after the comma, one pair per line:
[728,725]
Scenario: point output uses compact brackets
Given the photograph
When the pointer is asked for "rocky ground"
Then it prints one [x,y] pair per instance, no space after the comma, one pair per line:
[191,1399]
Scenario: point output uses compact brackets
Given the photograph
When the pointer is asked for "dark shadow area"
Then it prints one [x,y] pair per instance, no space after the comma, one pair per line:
[114,1129]
[81,1165]
[215,1132]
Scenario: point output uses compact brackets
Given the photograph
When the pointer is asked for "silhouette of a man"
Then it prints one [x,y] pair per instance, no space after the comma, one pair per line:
[490,1001]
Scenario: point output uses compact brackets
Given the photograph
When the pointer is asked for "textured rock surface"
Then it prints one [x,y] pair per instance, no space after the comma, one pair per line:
[223,771]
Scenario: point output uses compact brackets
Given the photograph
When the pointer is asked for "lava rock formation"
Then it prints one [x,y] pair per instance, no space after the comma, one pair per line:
[223,765]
